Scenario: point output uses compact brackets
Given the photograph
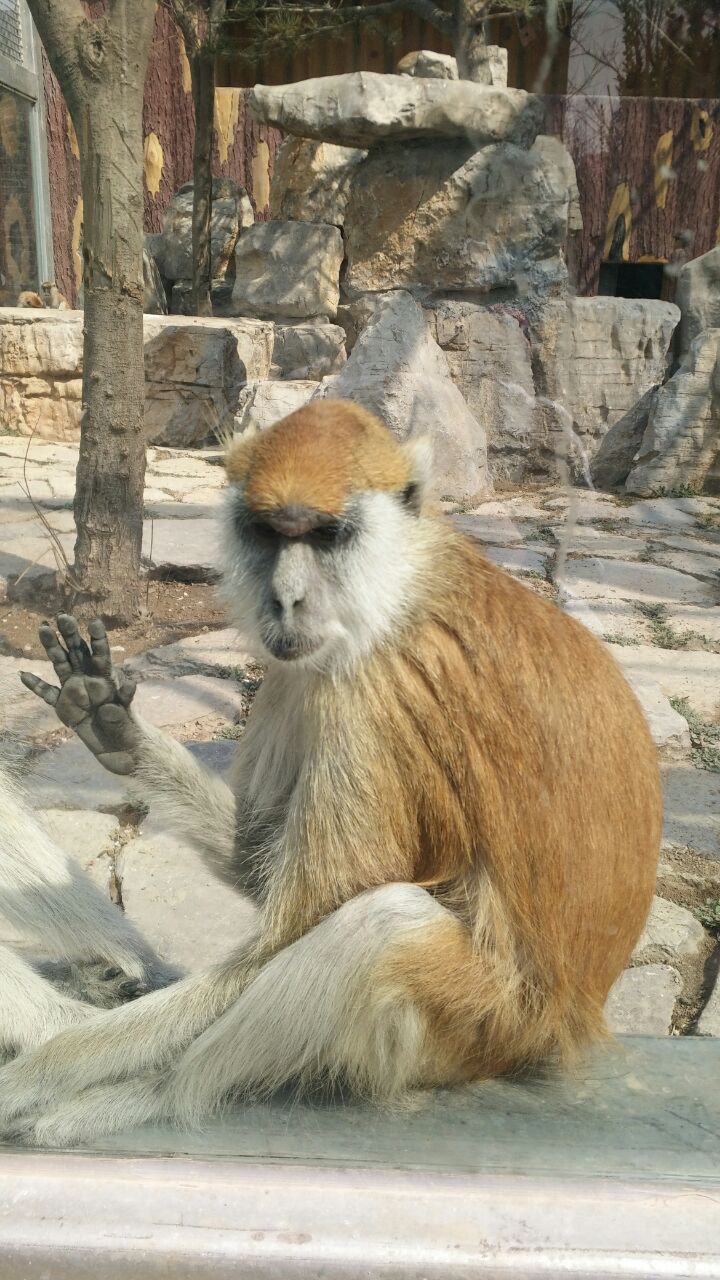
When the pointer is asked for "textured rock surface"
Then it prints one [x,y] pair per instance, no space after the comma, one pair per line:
[697,293]
[489,359]
[693,675]
[231,211]
[668,728]
[643,999]
[445,216]
[262,403]
[311,180]
[41,372]
[618,449]
[397,370]
[593,578]
[194,371]
[428,65]
[310,350]
[596,357]
[363,108]
[288,271]
[709,1020]
[189,917]
[681,445]
[155,300]
[671,929]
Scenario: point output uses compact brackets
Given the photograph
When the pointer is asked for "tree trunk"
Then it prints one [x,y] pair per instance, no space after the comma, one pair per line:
[470,43]
[203,90]
[101,66]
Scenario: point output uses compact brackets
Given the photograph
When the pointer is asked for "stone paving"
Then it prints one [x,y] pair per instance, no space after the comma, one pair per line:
[642,575]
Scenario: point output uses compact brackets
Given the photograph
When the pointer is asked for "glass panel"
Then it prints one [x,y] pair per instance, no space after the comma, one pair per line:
[11,41]
[18,257]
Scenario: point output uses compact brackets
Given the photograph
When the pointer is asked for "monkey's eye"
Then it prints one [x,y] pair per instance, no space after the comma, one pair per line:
[330,535]
[262,531]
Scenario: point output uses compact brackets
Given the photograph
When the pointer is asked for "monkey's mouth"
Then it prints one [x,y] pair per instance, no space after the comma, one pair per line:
[290,648]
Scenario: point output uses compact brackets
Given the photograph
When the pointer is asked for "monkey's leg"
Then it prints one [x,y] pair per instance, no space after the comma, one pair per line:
[31,1010]
[355,998]
[47,896]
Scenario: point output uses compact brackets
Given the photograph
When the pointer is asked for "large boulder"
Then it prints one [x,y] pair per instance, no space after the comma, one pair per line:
[681,446]
[595,357]
[311,181]
[488,356]
[231,212]
[428,65]
[307,351]
[264,402]
[155,299]
[288,271]
[697,293]
[41,354]
[444,216]
[398,371]
[618,449]
[491,69]
[195,370]
[365,107]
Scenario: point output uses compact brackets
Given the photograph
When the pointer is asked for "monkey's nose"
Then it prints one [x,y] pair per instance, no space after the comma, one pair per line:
[289,604]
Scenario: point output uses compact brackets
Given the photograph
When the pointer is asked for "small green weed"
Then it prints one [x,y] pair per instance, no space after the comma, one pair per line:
[663,634]
[704,736]
[232,731]
[625,640]
[543,534]
[709,914]
[708,520]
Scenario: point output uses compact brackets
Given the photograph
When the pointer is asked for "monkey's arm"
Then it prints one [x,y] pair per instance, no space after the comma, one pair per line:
[95,701]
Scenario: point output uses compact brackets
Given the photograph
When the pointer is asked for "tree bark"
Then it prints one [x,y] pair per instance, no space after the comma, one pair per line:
[100,65]
[470,43]
[202,72]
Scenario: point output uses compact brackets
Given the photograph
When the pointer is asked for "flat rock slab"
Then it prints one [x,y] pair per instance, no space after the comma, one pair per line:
[643,1000]
[592,577]
[212,653]
[87,837]
[23,712]
[499,529]
[696,562]
[692,809]
[608,619]
[188,548]
[662,513]
[671,929]
[365,107]
[668,728]
[68,777]
[178,905]
[694,675]
[182,700]
[703,623]
[585,540]
[518,559]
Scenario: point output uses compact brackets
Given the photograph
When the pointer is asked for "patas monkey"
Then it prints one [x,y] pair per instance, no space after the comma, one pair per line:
[446,806]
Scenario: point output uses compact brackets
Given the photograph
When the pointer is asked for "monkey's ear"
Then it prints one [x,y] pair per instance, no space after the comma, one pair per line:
[419,453]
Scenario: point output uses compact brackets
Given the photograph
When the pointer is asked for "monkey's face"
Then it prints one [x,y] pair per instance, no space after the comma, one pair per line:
[307,587]
[322,536]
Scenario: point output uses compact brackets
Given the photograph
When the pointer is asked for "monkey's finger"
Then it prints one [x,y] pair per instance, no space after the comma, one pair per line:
[55,652]
[46,691]
[126,690]
[78,651]
[101,659]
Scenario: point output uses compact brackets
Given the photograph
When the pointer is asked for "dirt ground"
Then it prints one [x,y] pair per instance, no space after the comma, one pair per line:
[172,610]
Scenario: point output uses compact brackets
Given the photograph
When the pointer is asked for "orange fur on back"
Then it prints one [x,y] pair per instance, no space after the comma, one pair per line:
[317,457]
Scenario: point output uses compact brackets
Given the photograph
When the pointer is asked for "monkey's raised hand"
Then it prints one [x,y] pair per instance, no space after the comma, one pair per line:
[93,698]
